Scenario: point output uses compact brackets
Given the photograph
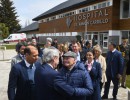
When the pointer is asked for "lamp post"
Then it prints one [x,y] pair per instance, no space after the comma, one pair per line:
[2,50]
[86,28]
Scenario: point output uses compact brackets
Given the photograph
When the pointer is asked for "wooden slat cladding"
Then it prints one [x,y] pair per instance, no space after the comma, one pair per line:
[124,24]
[98,20]
[119,24]
[115,14]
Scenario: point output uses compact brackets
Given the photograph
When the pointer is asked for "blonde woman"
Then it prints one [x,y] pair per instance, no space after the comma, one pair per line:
[99,58]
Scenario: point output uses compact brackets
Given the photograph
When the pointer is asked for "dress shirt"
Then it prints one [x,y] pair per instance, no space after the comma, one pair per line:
[78,56]
[113,50]
[50,65]
[22,56]
[27,64]
[89,65]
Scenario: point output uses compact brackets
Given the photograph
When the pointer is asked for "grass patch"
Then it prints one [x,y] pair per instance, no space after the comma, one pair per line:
[5,60]
[9,46]
[128,81]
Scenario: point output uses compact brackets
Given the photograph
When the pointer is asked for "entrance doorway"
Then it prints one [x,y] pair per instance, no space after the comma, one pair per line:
[103,40]
[100,38]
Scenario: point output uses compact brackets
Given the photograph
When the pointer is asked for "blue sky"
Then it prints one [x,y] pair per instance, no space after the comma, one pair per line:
[29,9]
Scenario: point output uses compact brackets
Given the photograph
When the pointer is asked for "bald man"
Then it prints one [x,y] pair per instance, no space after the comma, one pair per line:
[21,84]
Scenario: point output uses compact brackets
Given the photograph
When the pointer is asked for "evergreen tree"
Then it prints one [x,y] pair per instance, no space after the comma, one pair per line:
[3,31]
[8,16]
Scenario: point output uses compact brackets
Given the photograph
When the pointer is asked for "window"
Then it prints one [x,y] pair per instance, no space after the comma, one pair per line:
[108,3]
[99,6]
[47,19]
[125,8]
[90,8]
[95,39]
[126,34]
[95,7]
[104,5]
[10,37]
[83,10]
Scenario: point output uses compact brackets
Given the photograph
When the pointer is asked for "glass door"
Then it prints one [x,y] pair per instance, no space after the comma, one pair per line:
[103,40]
[92,36]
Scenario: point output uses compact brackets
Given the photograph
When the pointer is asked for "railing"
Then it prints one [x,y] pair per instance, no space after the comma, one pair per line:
[2,49]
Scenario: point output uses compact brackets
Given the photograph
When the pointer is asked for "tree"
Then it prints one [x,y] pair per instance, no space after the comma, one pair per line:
[8,16]
[4,32]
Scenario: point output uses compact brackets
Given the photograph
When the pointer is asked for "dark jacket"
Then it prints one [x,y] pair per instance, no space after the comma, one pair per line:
[44,79]
[96,76]
[79,79]
[19,87]
[95,73]
[128,66]
[115,63]
[82,56]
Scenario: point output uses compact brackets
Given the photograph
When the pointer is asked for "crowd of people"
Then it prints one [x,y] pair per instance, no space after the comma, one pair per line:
[67,71]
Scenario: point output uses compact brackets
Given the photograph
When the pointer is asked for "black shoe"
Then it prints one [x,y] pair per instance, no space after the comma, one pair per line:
[114,98]
[104,97]
[123,86]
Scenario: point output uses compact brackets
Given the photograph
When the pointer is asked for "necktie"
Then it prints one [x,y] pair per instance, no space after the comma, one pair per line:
[31,66]
[22,56]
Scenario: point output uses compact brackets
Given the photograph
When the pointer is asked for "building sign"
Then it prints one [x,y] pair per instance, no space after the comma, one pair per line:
[91,18]
[68,22]
[93,22]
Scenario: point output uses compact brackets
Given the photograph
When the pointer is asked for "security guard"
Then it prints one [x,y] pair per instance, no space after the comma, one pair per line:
[125,50]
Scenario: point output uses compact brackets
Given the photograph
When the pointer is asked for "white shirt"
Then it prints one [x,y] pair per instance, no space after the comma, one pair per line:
[22,56]
[27,64]
[89,65]
[113,50]
[78,56]
[50,65]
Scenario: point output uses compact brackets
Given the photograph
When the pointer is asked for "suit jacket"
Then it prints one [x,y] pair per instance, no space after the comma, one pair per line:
[82,56]
[16,60]
[44,79]
[102,61]
[115,63]
[96,76]
[95,73]
[19,85]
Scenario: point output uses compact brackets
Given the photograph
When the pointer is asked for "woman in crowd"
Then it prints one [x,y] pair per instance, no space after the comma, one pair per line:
[99,58]
[94,69]
[63,48]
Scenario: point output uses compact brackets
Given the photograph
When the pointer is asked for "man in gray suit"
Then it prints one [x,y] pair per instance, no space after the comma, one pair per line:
[19,57]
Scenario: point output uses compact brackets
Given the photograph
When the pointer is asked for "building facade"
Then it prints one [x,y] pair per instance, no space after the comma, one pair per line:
[98,20]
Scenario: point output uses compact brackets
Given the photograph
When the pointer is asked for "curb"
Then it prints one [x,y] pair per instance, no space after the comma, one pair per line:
[128,93]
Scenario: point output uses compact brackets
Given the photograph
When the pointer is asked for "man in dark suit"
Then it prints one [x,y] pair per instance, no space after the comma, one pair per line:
[45,75]
[21,85]
[51,85]
[81,55]
[114,70]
